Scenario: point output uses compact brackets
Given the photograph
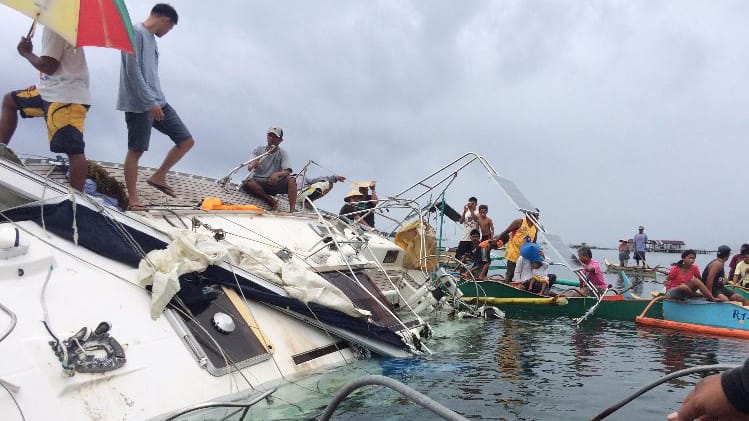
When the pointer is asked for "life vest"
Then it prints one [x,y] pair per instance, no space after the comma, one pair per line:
[525,233]
[213,203]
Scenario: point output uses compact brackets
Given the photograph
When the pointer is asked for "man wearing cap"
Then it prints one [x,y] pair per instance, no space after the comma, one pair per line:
[272,172]
[145,105]
[369,202]
[714,277]
[640,240]
[352,209]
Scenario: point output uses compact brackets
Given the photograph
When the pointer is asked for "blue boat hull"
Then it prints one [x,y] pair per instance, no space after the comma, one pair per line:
[705,313]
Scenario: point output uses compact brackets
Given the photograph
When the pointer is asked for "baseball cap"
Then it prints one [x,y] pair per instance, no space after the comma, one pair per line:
[640,227]
[724,251]
[276,131]
[350,195]
[532,252]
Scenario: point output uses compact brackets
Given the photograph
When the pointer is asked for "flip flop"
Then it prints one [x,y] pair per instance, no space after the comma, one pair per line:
[162,187]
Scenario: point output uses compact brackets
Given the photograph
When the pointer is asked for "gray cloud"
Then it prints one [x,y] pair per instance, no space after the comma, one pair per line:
[607,114]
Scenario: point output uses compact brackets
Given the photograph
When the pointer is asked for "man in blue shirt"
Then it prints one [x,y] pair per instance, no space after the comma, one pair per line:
[640,240]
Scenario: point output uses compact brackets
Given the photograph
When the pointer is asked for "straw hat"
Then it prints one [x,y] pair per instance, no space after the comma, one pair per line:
[350,195]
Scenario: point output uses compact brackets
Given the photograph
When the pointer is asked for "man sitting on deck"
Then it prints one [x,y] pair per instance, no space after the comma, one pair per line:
[272,172]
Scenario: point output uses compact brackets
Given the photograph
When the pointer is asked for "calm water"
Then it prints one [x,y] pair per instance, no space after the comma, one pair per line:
[527,369]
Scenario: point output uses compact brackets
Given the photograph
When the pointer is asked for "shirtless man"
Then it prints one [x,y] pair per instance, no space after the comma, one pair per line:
[486,225]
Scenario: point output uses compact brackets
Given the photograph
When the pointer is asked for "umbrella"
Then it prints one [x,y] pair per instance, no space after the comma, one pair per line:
[99,23]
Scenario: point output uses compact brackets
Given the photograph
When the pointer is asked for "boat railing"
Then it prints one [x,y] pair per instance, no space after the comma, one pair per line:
[374,380]
[241,407]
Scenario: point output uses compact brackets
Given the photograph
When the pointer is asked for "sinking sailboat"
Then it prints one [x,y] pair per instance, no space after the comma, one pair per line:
[108,310]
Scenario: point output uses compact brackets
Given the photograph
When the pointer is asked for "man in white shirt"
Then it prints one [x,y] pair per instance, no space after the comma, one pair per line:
[470,221]
[62,98]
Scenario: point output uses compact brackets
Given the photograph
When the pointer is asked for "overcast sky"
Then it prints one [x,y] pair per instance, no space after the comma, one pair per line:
[606,114]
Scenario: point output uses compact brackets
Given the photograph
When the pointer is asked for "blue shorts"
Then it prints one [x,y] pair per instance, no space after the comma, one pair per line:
[139,128]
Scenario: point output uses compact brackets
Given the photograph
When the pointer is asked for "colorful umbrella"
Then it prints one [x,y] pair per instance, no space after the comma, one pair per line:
[100,23]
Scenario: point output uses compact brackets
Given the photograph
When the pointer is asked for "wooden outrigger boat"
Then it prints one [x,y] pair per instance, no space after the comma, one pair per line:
[515,301]
[700,316]
[649,272]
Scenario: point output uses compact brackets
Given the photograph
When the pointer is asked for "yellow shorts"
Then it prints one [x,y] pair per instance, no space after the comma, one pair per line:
[65,122]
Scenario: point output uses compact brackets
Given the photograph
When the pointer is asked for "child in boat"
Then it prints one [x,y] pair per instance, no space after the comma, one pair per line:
[592,270]
[531,270]
[683,280]
[486,225]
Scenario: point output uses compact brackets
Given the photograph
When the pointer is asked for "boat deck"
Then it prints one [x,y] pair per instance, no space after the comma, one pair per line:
[190,189]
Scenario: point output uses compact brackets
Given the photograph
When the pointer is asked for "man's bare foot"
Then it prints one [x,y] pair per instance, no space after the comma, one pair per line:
[136,206]
[162,186]
[274,205]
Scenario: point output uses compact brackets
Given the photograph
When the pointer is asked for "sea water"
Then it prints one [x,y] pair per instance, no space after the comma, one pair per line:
[525,369]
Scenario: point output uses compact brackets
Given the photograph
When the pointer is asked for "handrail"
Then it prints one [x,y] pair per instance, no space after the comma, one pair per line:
[225,180]
[415,397]
[207,405]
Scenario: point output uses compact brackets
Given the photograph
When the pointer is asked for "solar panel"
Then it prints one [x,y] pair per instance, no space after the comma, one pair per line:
[562,252]
[512,191]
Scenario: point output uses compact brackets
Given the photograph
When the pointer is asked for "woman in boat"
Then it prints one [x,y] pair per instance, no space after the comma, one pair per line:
[683,280]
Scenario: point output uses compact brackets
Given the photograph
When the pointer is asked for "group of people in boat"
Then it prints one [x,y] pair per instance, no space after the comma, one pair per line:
[527,266]
[685,280]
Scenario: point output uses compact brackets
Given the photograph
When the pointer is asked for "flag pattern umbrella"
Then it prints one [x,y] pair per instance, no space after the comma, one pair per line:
[99,23]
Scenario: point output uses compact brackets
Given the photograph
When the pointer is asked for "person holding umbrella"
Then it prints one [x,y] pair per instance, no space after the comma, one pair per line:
[62,97]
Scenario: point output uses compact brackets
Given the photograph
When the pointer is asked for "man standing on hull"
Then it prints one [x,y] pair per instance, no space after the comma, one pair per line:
[145,105]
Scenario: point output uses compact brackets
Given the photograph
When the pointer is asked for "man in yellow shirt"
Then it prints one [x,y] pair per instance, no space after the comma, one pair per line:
[520,231]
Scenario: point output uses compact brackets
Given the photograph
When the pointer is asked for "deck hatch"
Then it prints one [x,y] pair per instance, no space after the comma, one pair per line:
[242,347]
